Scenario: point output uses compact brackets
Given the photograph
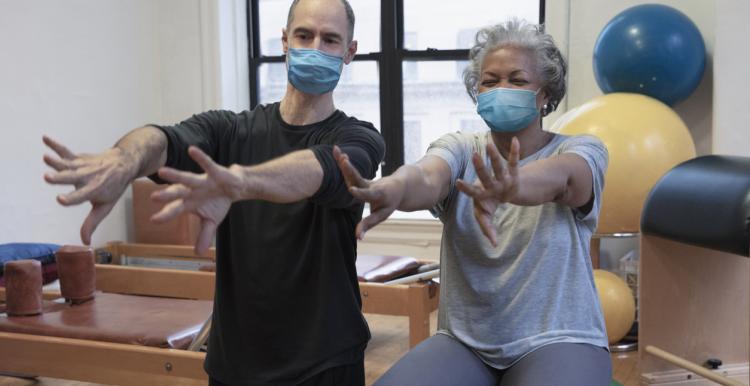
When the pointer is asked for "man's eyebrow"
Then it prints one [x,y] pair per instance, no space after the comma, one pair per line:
[302,30]
[335,35]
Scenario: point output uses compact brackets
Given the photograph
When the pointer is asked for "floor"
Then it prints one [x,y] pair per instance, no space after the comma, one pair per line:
[389,342]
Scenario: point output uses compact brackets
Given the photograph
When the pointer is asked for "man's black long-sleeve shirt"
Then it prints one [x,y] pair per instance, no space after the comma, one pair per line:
[287,302]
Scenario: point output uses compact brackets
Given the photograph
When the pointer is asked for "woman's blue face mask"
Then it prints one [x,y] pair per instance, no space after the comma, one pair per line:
[312,71]
[507,110]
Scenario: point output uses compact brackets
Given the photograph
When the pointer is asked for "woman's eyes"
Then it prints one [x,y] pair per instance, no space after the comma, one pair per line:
[517,82]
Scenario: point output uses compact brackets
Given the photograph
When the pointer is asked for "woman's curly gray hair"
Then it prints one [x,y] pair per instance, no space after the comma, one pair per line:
[520,34]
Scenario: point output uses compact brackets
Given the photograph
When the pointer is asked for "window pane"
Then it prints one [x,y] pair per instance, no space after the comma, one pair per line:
[273,14]
[435,103]
[271,82]
[357,94]
[271,19]
[453,24]
[367,25]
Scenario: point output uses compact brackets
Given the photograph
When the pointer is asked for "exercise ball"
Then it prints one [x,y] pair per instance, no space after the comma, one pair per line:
[650,49]
[618,304]
[645,139]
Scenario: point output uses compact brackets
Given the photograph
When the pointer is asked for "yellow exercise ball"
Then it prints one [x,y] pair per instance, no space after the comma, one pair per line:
[618,304]
[645,139]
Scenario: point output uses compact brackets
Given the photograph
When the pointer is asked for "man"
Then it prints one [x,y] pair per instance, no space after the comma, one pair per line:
[287,308]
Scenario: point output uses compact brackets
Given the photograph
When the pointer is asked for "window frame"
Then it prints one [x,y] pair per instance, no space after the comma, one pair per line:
[390,61]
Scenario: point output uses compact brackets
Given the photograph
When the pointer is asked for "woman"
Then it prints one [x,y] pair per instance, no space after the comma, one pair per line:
[518,304]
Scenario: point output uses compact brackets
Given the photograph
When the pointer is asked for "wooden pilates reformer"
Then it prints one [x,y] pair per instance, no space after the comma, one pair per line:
[133,364]
[105,361]
[694,275]
[414,300]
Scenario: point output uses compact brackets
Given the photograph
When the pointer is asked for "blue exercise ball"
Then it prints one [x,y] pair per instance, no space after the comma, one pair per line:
[650,49]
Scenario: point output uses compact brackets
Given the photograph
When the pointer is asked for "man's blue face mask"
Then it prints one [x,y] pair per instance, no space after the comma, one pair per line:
[312,71]
[507,110]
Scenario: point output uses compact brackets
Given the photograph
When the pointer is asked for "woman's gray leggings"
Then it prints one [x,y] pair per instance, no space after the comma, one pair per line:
[443,361]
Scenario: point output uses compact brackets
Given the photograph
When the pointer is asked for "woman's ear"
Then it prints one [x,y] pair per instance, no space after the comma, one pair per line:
[543,96]
[544,102]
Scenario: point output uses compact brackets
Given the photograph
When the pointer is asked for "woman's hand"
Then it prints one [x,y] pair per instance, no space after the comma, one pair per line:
[97,178]
[383,195]
[489,191]
[207,195]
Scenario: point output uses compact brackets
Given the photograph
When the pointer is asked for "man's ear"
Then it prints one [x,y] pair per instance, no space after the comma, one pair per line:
[284,40]
[350,52]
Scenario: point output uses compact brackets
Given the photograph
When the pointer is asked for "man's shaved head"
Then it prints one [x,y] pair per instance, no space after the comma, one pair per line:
[347,8]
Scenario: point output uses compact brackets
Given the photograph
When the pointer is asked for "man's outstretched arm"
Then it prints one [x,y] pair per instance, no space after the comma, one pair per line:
[102,178]
[293,177]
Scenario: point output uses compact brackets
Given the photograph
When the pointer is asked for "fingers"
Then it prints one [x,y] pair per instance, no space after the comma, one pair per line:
[179,177]
[366,194]
[77,196]
[96,215]
[481,170]
[169,211]
[70,177]
[61,150]
[482,214]
[205,237]
[485,223]
[56,163]
[170,193]
[469,189]
[350,173]
[361,230]
[337,152]
[376,217]
[203,160]
[499,167]
[65,177]
[472,190]
[515,154]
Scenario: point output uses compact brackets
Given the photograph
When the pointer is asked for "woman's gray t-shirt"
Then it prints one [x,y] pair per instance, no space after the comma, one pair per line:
[536,287]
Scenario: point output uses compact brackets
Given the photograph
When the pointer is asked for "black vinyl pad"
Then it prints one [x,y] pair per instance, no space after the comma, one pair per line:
[704,202]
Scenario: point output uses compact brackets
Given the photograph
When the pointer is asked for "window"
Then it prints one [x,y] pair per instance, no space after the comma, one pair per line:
[407,76]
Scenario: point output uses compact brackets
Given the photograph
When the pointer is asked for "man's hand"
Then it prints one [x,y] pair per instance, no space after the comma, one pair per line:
[491,190]
[208,195]
[384,195]
[97,178]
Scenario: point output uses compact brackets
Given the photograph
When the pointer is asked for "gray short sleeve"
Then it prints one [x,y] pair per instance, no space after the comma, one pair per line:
[535,286]
[456,150]
[594,152]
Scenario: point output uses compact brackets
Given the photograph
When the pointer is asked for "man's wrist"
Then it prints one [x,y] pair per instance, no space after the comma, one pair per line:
[126,162]
[249,184]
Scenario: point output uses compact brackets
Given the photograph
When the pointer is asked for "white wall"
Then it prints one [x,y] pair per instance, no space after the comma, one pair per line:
[86,72]
[576,24]
[82,72]
[233,55]
[731,129]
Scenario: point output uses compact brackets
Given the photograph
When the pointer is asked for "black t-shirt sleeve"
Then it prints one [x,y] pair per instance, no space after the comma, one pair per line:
[205,130]
[365,147]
